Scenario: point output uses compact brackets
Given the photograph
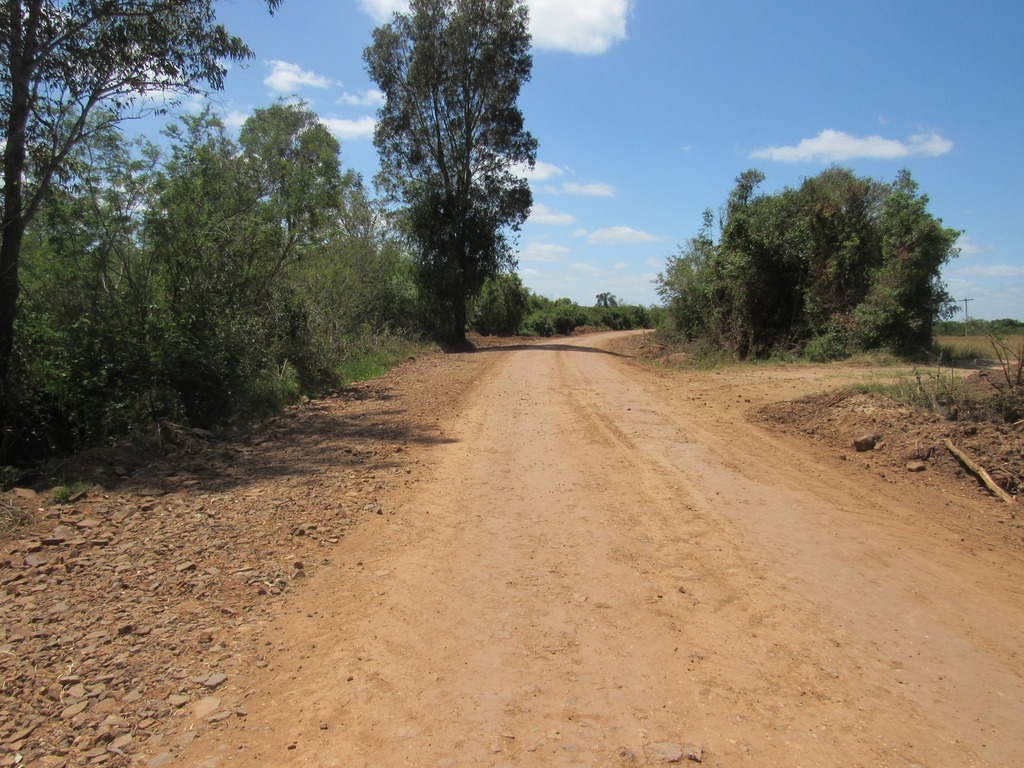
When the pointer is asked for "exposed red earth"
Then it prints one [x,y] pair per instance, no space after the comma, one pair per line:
[538,554]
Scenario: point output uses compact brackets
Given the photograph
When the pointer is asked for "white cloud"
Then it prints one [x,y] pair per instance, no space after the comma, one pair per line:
[588,190]
[541,214]
[544,252]
[836,146]
[589,269]
[382,10]
[350,129]
[370,98]
[541,171]
[285,77]
[993,270]
[235,118]
[970,248]
[621,235]
[578,26]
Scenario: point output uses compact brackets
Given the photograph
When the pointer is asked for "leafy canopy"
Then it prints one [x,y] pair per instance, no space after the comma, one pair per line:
[450,136]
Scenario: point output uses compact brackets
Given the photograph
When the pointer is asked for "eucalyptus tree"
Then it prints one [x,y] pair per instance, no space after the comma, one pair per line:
[450,136]
[63,60]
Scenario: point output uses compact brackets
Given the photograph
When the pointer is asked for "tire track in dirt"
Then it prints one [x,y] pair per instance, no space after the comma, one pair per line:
[596,562]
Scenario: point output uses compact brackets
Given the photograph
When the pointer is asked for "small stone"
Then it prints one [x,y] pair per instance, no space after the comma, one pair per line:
[916,466]
[74,709]
[694,753]
[177,700]
[185,567]
[866,442]
[205,706]
[216,680]
[25,493]
[121,741]
[114,721]
[219,717]
[59,535]
[663,752]
[160,760]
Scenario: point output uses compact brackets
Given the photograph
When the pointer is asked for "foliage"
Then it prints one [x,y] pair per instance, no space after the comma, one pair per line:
[74,67]
[563,316]
[842,263]
[501,306]
[197,283]
[450,136]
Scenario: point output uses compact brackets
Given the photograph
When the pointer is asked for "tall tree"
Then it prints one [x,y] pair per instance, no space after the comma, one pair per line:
[61,60]
[450,135]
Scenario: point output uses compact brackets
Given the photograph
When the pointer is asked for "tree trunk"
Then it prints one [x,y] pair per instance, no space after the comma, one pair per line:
[12,226]
[459,330]
[10,251]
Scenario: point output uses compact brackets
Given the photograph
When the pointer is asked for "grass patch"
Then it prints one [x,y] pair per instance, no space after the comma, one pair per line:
[959,348]
[375,361]
[925,393]
[66,493]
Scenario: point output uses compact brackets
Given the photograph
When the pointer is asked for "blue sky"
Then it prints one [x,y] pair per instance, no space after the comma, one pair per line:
[647,110]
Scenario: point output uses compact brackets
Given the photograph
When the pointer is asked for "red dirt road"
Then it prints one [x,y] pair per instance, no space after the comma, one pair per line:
[599,557]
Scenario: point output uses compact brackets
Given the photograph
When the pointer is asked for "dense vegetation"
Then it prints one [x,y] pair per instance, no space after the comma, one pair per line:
[840,264]
[66,70]
[506,307]
[196,280]
[208,277]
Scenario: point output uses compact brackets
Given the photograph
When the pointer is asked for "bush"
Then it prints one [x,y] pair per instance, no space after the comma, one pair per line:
[500,307]
[834,344]
[839,264]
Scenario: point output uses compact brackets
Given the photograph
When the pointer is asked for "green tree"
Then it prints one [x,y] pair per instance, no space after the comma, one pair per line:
[82,354]
[681,286]
[450,136]
[501,306]
[63,60]
[840,263]
[291,164]
[228,223]
[606,300]
[907,293]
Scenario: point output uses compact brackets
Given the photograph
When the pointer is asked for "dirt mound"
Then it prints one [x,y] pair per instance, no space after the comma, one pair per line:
[906,441]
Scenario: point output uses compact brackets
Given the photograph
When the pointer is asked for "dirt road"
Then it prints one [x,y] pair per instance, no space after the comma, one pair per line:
[599,561]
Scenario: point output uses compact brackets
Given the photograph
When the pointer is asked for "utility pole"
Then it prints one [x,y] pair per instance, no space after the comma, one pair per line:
[965,314]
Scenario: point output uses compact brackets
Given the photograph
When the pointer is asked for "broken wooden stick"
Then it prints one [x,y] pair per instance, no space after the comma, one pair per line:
[977,469]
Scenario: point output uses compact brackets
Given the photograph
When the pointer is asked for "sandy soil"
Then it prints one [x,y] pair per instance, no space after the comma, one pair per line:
[591,562]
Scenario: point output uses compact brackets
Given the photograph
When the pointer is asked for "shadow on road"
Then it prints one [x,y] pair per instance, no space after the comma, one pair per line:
[545,347]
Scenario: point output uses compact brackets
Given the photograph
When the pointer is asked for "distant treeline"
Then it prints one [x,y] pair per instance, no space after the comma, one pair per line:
[505,307]
[1002,327]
